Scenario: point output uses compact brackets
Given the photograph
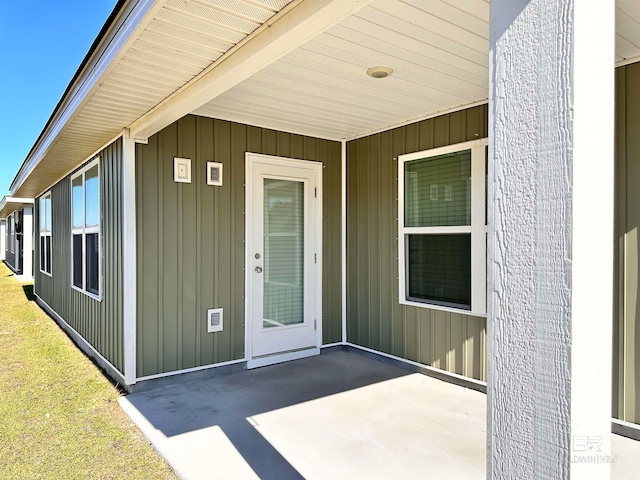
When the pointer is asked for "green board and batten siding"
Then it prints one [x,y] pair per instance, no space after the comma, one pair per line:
[98,322]
[191,240]
[375,318]
[626,342]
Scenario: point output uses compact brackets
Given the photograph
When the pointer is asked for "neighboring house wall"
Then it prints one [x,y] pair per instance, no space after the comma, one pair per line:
[626,342]
[191,240]
[3,238]
[12,259]
[98,322]
[375,318]
[9,257]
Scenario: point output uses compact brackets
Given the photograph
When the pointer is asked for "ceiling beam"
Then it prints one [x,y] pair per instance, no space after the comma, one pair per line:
[294,26]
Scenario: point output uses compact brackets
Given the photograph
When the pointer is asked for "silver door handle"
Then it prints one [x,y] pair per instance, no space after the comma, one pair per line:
[258,269]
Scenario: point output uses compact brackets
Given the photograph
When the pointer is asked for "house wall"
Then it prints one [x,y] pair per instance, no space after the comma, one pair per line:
[191,240]
[626,341]
[98,322]
[375,319]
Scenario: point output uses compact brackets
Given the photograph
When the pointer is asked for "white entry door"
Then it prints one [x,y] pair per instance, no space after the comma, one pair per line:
[283,261]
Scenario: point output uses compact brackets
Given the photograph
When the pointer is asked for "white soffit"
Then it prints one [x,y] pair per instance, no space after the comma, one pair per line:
[438,50]
[627,31]
[177,42]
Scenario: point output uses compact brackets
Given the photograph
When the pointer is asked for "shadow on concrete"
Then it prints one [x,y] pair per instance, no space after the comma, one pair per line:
[228,401]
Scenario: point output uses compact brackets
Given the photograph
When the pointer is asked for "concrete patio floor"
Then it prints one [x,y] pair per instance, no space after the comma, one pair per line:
[339,415]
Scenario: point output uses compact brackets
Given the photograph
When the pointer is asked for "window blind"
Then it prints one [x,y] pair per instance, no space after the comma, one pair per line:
[283,252]
[438,191]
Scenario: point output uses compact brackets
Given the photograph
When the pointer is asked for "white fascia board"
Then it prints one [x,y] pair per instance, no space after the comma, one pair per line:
[285,32]
[135,17]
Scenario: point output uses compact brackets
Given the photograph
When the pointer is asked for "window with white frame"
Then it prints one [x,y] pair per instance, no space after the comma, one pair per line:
[12,233]
[442,240]
[44,219]
[85,215]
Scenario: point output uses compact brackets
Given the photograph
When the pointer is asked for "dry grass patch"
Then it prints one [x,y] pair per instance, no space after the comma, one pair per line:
[60,415]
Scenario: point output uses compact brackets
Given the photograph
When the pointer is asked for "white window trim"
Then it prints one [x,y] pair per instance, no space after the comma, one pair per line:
[45,233]
[477,229]
[85,230]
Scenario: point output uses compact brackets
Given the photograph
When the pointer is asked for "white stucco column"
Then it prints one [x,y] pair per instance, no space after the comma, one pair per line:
[27,243]
[129,259]
[550,280]
[3,240]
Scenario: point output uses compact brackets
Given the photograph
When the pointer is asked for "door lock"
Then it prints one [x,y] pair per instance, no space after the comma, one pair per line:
[258,269]
[257,256]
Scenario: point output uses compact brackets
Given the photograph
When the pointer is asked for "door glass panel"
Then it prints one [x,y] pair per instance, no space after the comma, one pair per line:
[283,253]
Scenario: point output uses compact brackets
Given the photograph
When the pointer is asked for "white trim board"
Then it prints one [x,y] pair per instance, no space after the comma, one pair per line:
[189,370]
[444,375]
[129,258]
[411,121]
[626,429]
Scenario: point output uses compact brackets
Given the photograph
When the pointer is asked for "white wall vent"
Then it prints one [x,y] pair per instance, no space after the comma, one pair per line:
[182,170]
[214,320]
[214,173]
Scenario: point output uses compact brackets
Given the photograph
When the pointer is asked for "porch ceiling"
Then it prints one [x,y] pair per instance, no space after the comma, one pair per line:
[156,53]
[438,50]
[627,31]
[8,205]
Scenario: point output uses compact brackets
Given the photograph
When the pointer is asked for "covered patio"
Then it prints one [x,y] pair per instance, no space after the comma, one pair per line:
[363,86]
[343,414]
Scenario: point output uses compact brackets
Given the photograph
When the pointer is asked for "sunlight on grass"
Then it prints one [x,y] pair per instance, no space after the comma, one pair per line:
[60,415]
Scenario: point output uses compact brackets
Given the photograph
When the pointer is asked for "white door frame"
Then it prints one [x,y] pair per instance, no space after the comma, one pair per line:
[314,290]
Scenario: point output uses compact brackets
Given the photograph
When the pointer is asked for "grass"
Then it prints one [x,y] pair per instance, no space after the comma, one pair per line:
[59,416]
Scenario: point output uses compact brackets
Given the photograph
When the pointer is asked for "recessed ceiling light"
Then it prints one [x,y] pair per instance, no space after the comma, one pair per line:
[379,72]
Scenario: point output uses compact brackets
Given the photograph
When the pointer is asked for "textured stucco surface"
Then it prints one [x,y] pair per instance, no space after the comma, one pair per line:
[549,273]
[529,240]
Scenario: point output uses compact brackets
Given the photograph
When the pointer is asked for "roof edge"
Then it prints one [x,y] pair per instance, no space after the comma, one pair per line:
[113,36]
[8,204]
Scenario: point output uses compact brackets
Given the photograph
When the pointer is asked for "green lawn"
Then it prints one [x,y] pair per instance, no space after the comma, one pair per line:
[59,416]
